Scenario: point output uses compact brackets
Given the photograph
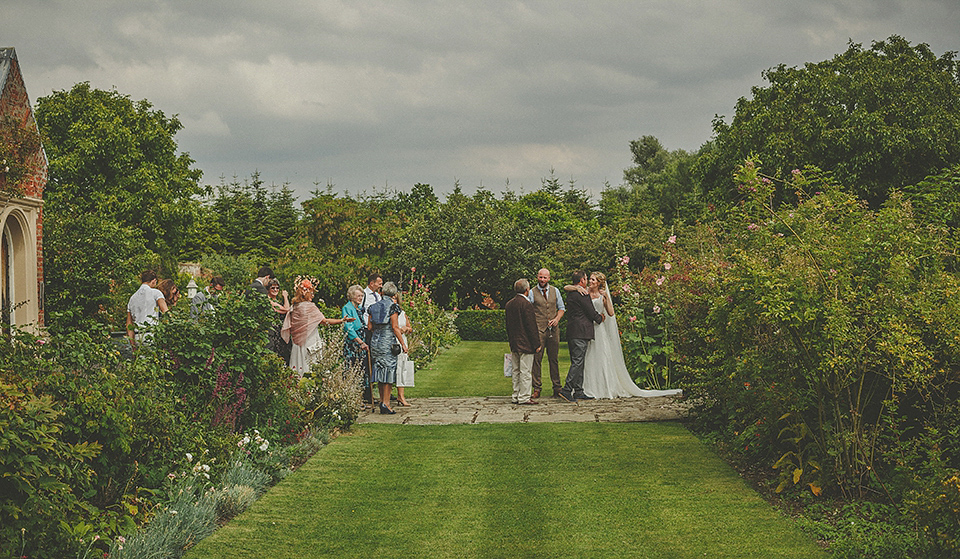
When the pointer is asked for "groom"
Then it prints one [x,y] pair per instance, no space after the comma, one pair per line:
[580,318]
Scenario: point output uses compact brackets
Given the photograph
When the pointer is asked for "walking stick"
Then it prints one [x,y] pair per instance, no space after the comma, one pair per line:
[369,375]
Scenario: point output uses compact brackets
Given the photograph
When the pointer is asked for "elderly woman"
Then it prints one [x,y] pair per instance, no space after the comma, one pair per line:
[354,345]
[383,322]
[301,326]
[405,367]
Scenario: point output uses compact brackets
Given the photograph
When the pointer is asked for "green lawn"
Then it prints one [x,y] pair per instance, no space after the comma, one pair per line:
[474,369]
[590,490]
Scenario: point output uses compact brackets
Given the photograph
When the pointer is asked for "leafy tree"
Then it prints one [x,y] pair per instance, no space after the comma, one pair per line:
[118,192]
[878,119]
[467,247]
[474,247]
[421,198]
[246,218]
[661,183]
[94,266]
[341,240]
[116,158]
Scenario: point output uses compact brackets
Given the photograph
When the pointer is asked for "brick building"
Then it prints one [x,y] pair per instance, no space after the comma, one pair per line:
[21,209]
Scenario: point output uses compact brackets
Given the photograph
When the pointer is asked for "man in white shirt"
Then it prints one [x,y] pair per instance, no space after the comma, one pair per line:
[371,294]
[144,306]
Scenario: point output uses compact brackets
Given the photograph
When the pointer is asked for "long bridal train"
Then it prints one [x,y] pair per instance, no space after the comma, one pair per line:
[605,371]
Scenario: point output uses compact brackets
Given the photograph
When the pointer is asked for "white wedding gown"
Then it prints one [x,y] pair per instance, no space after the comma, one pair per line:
[605,373]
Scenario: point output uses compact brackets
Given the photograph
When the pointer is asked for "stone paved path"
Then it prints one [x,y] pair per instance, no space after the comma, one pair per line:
[498,409]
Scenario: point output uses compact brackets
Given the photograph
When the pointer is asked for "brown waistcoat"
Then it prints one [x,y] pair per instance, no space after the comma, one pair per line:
[545,308]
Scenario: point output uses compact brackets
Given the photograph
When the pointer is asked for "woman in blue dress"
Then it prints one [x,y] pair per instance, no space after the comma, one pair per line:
[385,327]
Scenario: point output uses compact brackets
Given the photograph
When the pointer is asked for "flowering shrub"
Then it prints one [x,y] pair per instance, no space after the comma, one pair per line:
[829,312]
[117,424]
[433,327]
[660,309]
[330,393]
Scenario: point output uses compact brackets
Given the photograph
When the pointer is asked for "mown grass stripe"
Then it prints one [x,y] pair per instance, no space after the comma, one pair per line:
[520,490]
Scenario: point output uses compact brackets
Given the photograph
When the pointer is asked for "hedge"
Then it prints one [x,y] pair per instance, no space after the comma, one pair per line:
[488,326]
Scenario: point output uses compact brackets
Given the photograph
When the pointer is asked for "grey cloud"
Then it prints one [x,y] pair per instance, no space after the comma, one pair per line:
[395,92]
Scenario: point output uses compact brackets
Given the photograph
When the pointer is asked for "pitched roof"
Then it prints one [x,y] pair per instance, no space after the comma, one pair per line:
[7,56]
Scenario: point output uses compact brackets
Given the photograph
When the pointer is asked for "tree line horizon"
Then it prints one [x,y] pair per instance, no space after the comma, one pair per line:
[121,198]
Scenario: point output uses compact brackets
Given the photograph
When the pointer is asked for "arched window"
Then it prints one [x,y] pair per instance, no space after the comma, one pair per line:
[6,276]
[17,304]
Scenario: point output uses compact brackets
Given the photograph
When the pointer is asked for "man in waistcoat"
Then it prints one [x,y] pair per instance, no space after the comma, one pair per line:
[549,308]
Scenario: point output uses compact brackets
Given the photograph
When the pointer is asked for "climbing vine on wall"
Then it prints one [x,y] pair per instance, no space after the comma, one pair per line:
[17,144]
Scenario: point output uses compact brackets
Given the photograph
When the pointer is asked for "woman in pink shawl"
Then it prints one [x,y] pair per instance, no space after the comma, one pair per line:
[301,327]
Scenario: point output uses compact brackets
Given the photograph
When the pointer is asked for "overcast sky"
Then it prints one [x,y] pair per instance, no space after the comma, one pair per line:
[374,94]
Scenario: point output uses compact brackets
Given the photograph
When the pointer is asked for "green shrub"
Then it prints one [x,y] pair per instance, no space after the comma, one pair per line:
[936,509]
[89,436]
[826,310]
[41,475]
[188,517]
[237,271]
[481,325]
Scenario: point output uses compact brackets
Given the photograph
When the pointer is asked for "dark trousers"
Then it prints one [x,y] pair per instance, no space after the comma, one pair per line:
[578,350]
[549,343]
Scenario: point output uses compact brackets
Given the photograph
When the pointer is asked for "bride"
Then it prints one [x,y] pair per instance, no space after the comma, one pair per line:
[605,372]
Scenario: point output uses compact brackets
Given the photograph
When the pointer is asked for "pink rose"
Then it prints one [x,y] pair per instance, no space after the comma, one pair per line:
[672,239]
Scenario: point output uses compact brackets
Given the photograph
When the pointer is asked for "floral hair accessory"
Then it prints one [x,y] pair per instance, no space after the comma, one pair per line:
[304,283]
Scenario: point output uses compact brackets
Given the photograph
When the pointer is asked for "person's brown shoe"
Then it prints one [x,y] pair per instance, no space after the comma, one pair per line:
[536,393]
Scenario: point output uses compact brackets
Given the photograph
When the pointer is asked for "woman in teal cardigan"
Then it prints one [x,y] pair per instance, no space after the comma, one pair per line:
[354,346]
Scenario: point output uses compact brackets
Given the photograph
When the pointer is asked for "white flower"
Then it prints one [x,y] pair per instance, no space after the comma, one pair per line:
[189,457]
[264,445]
[206,467]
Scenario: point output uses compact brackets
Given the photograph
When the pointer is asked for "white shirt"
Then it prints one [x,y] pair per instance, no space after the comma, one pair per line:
[143,306]
[560,305]
[370,297]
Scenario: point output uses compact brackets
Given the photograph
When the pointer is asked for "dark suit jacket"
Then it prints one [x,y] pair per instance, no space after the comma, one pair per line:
[256,287]
[580,316]
[522,330]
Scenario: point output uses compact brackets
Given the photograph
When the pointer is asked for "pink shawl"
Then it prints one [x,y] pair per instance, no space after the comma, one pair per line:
[300,322]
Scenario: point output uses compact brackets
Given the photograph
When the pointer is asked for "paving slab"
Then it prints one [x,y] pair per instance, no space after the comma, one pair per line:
[498,409]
